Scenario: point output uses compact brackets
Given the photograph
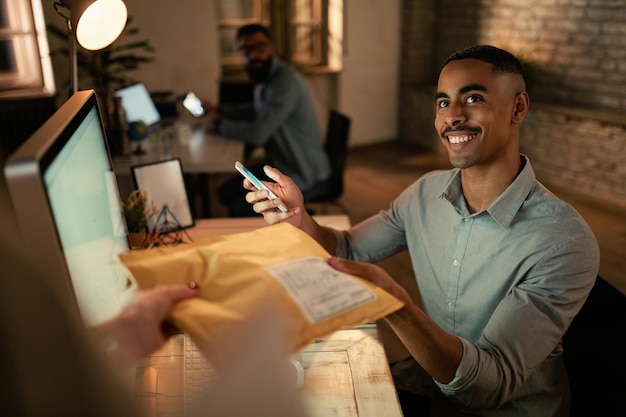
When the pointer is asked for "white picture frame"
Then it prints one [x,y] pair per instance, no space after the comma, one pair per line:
[164,183]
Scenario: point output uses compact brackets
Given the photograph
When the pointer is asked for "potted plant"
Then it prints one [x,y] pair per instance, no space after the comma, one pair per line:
[107,69]
[138,211]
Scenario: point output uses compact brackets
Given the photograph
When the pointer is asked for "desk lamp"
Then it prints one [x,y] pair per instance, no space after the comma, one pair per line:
[95,24]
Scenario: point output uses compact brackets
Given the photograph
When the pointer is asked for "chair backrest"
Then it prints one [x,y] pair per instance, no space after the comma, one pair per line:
[594,356]
[336,148]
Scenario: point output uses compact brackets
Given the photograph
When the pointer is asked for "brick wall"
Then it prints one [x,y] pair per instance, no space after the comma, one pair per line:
[417,75]
[579,45]
[577,153]
[579,50]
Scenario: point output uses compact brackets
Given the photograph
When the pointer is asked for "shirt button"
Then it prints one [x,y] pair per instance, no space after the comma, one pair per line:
[455,263]
[449,303]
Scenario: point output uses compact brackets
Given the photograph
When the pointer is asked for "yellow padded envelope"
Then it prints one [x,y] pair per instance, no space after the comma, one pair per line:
[241,275]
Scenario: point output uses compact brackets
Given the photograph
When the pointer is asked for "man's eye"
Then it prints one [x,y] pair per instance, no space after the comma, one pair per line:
[473,99]
[442,104]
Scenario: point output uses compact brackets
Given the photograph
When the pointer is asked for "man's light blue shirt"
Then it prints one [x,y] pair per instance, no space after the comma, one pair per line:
[507,281]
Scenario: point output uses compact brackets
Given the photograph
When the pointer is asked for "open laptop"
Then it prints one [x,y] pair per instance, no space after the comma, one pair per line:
[69,212]
[138,105]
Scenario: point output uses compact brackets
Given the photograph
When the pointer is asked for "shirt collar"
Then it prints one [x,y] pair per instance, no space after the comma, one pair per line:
[506,206]
[275,66]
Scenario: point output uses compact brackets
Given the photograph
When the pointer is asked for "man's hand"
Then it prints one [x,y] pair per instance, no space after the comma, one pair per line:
[372,273]
[286,191]
[211,110]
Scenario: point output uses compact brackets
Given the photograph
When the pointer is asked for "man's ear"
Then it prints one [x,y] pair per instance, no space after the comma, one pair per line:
[522,102]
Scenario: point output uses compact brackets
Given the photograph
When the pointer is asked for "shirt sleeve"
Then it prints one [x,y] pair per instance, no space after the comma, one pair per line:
[242,112]
[357,243]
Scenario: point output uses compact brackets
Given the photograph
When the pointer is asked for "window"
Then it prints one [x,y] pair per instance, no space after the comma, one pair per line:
[25,68]
[306,33]
[306,29]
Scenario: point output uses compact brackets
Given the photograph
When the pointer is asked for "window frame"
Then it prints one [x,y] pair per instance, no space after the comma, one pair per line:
[26,67]
[286,21]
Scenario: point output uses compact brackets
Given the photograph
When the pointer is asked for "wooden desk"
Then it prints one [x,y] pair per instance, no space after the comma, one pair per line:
[205,228]
[346,373]
[202,155]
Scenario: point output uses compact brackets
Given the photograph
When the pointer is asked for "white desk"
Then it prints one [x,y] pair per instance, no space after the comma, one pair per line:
[346,373]
[202,154]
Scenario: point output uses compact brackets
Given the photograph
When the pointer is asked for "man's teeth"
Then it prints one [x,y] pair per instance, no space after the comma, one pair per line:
[459,139]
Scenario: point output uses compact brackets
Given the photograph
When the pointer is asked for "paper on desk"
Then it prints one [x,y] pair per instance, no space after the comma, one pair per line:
[276,267]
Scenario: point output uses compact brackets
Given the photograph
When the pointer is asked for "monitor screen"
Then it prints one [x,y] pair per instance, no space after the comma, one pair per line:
[68,207]
[138,105]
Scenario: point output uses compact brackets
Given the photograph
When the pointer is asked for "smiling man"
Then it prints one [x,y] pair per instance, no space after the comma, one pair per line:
[502,265]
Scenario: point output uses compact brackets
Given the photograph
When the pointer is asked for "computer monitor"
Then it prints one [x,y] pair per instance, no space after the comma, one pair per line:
[138,105]
[64,192]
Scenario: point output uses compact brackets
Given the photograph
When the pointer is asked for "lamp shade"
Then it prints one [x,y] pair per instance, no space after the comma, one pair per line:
[97,23]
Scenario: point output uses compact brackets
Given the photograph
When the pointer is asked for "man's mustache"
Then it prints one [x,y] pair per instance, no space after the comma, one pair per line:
[461,128]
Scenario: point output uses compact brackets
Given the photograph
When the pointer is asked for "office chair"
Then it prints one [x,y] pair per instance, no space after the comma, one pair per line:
[594,356]
[336,147]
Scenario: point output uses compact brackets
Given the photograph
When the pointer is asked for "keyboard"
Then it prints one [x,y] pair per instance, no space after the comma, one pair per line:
[198,374]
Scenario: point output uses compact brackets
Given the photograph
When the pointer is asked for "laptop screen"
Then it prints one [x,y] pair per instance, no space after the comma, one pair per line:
[68,207]
[138,105]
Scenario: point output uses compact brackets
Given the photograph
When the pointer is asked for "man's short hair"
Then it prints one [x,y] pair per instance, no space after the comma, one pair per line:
[253,28]
[502,61]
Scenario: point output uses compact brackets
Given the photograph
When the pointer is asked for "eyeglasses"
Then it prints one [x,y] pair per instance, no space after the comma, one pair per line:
[258,47]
